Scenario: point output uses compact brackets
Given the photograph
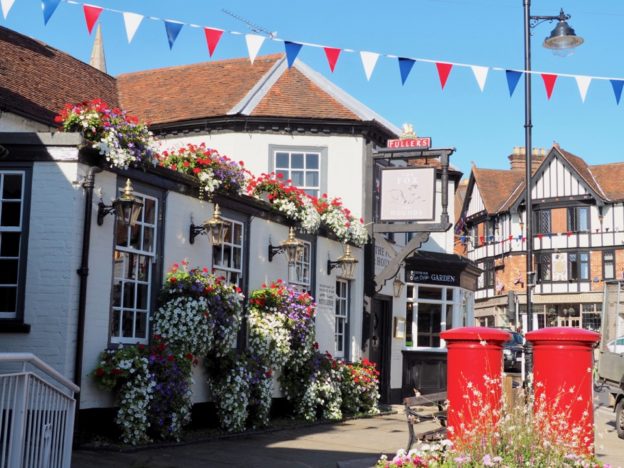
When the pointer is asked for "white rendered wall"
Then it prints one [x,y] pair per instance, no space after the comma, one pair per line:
[345,155]
[14,123]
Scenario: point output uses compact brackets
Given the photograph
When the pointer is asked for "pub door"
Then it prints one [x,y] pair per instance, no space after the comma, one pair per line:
[380,341]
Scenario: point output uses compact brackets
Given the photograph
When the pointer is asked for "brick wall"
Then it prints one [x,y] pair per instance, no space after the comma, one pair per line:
[559,220]
[514,267]
[595,270]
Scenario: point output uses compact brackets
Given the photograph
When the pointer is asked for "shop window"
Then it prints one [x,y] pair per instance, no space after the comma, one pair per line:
[608,264]
[578,219]
[342,317]
[14,198]
[134,260]
[430,310]
[227,259]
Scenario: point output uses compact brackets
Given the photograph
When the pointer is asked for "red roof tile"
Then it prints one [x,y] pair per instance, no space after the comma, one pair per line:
[189,92]
[496,186]
[610,177]
[295,95]
[37,80]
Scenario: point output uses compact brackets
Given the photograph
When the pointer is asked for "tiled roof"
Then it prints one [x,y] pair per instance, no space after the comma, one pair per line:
[295,95]
[496,186]
[268,88]
[582,168]
[189,92]
[37,80]
[610,177]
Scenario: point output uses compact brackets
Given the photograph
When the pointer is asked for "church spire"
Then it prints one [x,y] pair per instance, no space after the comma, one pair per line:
[97,59]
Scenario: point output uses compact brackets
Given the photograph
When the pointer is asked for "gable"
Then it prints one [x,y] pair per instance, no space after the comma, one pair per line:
[557,179]
[475,205]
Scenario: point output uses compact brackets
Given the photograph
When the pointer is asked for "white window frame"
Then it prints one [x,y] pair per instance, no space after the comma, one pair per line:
[341,312]
[116,335]
[288,171]
[300,272]
[220,268]
[444,303]
[21,260]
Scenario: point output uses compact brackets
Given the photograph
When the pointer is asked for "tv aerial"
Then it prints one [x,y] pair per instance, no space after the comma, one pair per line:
[252,26]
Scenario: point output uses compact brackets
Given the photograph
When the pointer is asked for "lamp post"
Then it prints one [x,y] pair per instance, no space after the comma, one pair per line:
[561,38]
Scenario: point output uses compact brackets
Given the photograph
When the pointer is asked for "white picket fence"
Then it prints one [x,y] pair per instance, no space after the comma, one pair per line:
[36,414]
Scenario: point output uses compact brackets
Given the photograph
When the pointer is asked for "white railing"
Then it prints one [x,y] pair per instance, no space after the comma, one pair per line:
[36,414]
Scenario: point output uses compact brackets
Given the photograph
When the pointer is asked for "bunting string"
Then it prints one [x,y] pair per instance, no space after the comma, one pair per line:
[254,42]
[490,240]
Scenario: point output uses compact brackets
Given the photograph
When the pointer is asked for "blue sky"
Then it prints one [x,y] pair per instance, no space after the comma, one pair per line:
[483,126]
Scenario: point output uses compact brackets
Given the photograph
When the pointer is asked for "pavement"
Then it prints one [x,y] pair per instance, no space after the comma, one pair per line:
[354,443]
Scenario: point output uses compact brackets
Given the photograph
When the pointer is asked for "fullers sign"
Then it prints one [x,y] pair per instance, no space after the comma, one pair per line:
[417,143]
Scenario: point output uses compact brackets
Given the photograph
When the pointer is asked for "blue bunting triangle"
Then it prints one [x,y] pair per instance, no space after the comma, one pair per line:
[49,7]
[512,80]
[173,29]
[405,66]
[617,89]
[292,50]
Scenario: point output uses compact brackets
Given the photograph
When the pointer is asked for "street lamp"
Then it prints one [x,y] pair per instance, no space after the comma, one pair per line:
[562,37]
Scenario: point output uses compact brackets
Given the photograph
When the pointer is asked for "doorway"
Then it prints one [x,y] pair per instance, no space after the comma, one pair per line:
[379,342]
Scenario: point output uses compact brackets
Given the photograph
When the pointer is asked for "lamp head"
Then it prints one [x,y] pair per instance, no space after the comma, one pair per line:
[563,36]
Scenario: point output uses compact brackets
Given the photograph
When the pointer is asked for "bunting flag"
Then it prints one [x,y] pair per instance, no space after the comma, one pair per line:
[49,7]
[292,50]
[254,42]
[6,7]
[480,74]
[212,38]
[444,69]
[549,83]
[512,80]
[131,22]
[540,236]
[617,89]
[583,85]
[91,13]
[173,28]
[332,55]
[405,67]
[369,60]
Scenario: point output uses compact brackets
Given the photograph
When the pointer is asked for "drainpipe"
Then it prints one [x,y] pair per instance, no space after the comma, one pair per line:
[83,272]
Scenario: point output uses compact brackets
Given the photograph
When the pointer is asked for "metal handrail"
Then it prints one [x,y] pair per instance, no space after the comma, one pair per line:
[39,364]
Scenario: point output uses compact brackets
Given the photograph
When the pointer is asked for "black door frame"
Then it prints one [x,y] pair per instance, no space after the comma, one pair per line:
[384,331]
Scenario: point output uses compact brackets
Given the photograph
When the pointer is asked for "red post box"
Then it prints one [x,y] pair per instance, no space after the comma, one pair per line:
[474,370]
[562,382]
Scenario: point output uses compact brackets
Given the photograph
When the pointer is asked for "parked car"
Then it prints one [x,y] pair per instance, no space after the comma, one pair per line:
[513,351]
[617,345]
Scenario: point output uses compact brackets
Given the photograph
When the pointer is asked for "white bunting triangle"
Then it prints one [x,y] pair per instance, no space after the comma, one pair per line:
[480,74]
[369,60]
[583,84]
[254,42]
[132,22]
[6,6]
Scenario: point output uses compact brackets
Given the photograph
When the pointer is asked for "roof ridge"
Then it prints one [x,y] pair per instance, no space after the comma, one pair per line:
[275,56]
[343,98]
[259,90]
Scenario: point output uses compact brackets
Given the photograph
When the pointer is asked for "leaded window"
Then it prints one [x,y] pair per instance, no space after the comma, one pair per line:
[542,222]
[544,267]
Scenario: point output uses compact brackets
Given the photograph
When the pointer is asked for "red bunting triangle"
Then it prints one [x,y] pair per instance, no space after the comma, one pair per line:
[92,13]
[212,38]
[332,55]
[444,69]
[549,82]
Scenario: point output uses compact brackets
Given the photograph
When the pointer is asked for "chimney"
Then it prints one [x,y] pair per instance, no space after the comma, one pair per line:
[517,158]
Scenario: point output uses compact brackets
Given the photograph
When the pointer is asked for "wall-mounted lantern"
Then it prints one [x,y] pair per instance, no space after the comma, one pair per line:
[397,286]
[346,262]
[292,246]
[215,228]
[127,208]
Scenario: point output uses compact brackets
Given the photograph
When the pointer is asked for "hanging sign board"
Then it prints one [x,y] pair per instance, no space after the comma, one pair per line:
[407,194]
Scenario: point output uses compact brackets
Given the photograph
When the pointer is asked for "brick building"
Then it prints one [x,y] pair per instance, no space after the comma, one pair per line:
[578,238]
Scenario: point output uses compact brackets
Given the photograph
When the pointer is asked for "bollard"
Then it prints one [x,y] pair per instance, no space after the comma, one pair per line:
[562,383]
[474,369]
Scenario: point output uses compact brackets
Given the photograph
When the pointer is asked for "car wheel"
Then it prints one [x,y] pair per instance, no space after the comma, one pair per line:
[619,418]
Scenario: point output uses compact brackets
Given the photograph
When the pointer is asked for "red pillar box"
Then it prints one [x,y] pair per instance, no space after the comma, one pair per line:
[562,382]
[474,369]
